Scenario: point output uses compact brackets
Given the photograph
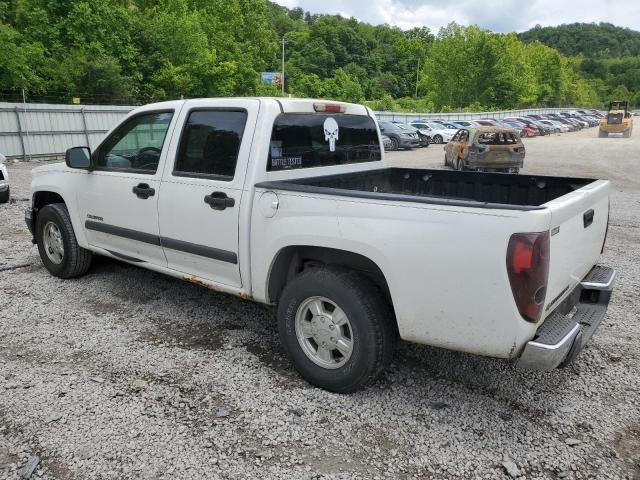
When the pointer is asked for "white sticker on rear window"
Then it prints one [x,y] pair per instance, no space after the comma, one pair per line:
[284,163]
[331,130]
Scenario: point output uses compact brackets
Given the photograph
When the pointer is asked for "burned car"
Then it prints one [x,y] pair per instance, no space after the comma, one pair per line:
[485,149]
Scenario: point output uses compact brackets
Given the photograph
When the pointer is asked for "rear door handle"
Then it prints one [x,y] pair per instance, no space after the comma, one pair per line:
[144,191]
[219,201]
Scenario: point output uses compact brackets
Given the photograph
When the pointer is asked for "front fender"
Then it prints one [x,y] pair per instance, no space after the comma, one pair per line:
[58,180]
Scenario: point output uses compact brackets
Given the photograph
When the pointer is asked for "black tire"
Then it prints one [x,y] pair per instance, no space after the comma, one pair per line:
[394,144]
[76,260]
[4,196]
[369,315]
[437,139]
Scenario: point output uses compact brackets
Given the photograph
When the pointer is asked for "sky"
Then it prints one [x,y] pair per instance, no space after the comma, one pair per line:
[496,15]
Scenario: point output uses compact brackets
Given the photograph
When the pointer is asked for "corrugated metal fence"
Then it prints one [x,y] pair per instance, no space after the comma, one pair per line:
[42,130]
[34,130]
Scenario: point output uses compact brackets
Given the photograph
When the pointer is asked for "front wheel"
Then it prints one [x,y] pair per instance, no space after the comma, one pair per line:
[336,328]
[394,144]
[57,244]
[4,196]
[437,139]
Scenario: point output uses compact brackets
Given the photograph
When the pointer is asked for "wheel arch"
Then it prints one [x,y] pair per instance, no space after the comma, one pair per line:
[42,198]
[47,196]
[291,260]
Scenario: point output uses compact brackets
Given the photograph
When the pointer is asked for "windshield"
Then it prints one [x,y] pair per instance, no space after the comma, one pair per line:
[614,118]
[305,140]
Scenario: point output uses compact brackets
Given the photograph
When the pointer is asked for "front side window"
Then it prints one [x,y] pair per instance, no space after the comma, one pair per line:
[210,144]
[306,140]
[135,145]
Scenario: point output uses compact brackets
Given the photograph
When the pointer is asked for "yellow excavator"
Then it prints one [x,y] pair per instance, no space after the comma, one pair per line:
[618,120]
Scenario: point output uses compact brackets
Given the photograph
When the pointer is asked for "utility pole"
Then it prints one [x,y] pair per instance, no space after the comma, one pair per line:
[282,73]
[417,76]
[24,102]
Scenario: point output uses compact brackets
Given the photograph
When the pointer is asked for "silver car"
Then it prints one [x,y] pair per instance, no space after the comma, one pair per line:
[4,181]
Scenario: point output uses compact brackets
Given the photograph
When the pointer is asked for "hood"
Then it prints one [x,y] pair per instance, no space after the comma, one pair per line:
[51,167]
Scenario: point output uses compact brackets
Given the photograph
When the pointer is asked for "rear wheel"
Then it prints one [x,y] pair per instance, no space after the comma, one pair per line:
[336,328]
[437,139]
[57,244]
[394,144]
[4,196]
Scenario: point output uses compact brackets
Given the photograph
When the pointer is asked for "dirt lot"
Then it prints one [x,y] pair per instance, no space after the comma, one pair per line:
[125,373]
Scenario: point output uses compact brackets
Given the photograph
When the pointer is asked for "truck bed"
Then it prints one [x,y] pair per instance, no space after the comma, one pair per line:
[483,190]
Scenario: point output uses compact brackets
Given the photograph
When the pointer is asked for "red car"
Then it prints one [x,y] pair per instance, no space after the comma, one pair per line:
[526,129]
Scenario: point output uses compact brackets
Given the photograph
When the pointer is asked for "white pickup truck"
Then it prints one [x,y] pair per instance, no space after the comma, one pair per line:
[290,203]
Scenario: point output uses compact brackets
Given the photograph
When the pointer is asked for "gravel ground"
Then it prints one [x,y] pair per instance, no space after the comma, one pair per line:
[125,373]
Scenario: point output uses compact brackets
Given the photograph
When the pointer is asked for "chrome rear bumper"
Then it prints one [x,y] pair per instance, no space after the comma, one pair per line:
[563,335]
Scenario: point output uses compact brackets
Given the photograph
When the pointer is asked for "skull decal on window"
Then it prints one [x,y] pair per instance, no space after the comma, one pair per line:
[331,133]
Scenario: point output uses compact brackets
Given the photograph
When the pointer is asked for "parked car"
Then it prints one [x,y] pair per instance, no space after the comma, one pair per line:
[541,129]
[464,123]
[289,203]
[387,144]
[487,122]
[571,126]
[438,132]
[400,138]
[485,149]
[523,129]
[544,129]
[555,126]
[5,191]
[424,139]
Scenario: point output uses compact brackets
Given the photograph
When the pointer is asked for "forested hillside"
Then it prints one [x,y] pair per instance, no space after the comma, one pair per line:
[588,39]
[607,55]
[137,51]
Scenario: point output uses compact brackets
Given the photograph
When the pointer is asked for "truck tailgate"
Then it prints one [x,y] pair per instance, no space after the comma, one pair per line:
[577,231]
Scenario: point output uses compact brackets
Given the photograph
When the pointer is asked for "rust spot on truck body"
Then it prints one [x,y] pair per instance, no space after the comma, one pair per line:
[198,281]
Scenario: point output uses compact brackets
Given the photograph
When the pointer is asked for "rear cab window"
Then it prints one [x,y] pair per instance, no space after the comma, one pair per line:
[308,140]
[497,138]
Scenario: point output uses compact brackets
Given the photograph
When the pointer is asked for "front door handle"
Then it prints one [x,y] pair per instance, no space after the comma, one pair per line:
[144,191]
[219,201]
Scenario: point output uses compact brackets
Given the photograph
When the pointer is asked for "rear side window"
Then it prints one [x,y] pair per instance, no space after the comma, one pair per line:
[210,144]
[497,138]
[306,140]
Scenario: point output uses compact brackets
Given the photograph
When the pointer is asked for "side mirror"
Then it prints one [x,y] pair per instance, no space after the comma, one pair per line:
[78,157]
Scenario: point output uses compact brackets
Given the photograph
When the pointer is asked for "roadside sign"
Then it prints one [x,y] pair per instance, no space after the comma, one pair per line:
[75,100]
[273,78]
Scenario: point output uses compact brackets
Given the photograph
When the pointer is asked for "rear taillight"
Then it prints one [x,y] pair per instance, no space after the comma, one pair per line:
[528,270]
